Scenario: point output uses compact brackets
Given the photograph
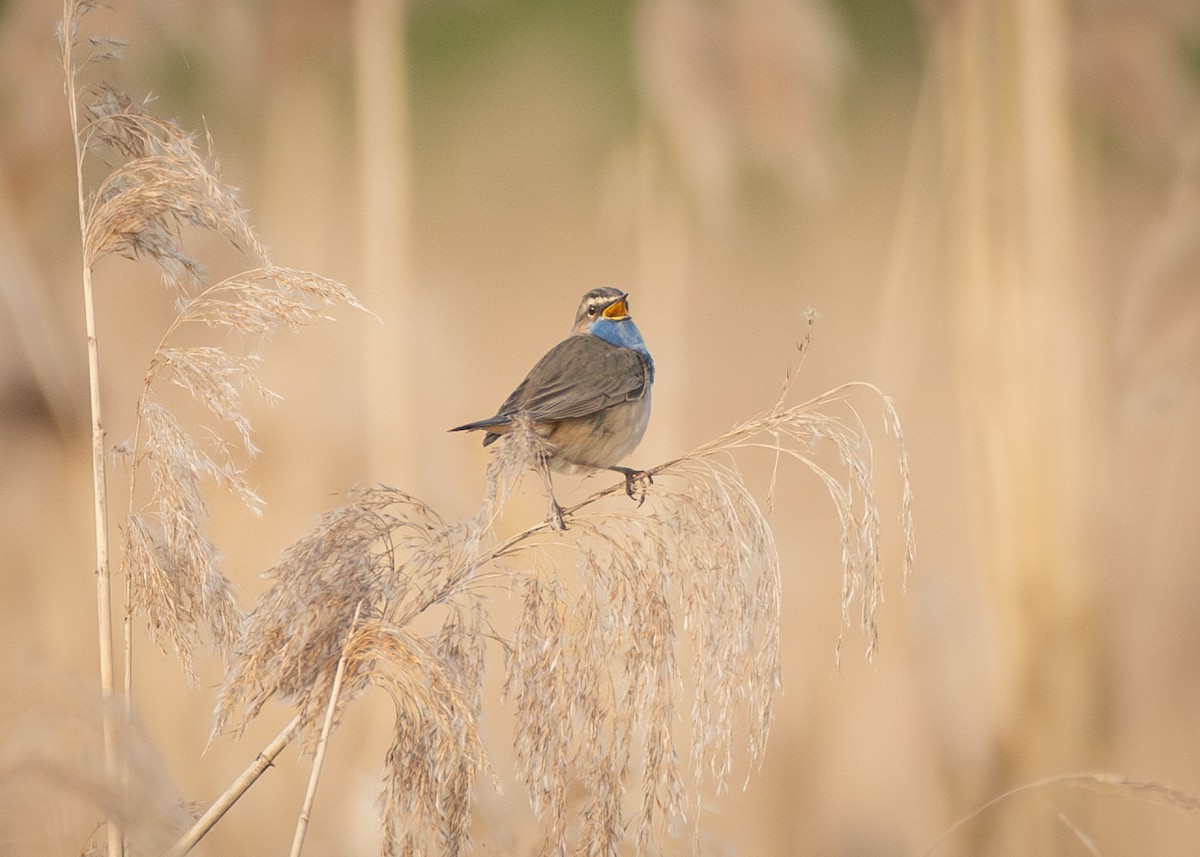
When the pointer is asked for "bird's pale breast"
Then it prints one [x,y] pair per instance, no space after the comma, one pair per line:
[601,439]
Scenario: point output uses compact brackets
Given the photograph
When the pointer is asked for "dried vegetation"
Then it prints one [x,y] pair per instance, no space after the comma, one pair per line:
[647,646]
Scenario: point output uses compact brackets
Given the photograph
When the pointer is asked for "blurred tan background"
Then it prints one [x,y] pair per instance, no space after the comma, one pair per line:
[994,207]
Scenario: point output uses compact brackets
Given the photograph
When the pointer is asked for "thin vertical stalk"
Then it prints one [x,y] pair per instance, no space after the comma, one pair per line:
[323,742]
[99,476]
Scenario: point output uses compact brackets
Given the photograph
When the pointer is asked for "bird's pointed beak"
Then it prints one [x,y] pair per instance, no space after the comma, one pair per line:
[618,309]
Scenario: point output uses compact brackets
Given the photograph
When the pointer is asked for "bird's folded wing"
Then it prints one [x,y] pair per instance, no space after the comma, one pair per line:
[580,376]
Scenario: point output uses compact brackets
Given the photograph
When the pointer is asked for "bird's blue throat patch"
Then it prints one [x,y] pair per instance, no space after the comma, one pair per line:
[624,334]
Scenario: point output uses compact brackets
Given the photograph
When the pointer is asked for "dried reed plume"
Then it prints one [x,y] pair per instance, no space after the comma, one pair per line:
[160,184]
[634,624]
[171,564]
[155,185]
[645,635]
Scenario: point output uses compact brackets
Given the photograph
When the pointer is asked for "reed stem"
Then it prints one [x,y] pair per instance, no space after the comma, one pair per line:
[99,476]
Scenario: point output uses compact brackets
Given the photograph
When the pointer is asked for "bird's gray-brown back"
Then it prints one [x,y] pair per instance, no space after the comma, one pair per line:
[581,375]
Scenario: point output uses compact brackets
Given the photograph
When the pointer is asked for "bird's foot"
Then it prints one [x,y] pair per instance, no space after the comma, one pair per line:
[637,482]
[557,516]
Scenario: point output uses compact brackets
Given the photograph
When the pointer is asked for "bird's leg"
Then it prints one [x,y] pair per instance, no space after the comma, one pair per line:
[631,478]
[557,519]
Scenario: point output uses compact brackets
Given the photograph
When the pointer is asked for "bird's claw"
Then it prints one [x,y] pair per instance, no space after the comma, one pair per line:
[557,516]
[632,478]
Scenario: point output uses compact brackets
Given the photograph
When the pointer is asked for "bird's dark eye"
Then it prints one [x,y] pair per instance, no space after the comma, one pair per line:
[591,310]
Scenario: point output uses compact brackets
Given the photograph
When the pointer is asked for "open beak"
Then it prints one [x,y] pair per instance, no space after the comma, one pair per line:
[617,310]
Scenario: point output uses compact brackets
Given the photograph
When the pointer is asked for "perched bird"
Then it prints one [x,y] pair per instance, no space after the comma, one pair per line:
[589,397]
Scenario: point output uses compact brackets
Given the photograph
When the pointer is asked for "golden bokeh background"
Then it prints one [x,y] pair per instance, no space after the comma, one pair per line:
[993,207]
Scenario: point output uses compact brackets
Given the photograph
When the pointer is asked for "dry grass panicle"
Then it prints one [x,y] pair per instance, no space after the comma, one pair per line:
[261,300]
[164,183]
[153,182]
[634,659]
[296,632]
[802,433]
[595,666]
[436,753]
[388,558]
[186,585]
[595,671]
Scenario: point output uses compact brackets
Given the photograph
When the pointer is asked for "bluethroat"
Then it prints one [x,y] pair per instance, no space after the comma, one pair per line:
[588,398]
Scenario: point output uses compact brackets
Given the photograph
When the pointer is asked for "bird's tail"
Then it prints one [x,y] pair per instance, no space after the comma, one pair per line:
[489,423]
[495,426]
